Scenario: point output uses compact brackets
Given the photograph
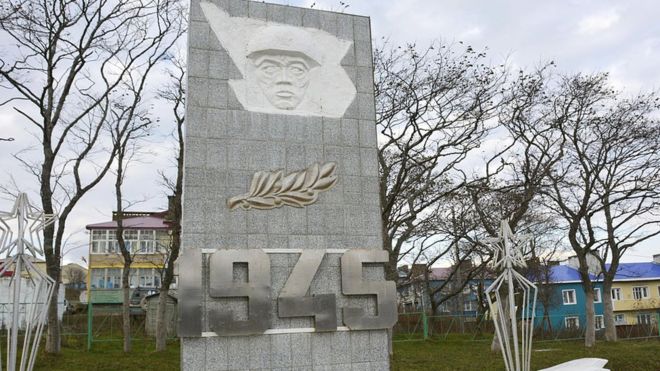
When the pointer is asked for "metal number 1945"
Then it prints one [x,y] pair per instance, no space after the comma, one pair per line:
[293,300]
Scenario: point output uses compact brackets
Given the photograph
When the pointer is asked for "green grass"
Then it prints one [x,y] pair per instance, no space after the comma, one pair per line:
[458,354]
[454,353]
[108,356]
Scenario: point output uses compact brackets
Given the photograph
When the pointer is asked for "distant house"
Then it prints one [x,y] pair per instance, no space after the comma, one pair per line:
[411,289]
[636,293]
[40,264]
[567,310]
[74,276]
[146,235]
[7,280]
[462,298]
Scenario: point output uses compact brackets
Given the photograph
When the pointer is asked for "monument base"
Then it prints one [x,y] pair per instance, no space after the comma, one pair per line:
[357,350]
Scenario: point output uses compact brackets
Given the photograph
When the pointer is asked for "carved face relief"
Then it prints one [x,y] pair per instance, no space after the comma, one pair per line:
[283,79]
[284,69]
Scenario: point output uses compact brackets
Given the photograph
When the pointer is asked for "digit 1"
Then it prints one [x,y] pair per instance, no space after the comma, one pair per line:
[190,293]
[352,284]
[293,300]
[256,289]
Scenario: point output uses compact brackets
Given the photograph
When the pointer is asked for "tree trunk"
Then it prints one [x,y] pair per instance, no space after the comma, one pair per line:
[53,344]
[126,306]
[161,321]
[546,319]
[391,272]
[608,312]
[590,326]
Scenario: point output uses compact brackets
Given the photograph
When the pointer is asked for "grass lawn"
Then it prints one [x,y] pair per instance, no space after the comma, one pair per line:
[436,354]
[108,356]
[457,354]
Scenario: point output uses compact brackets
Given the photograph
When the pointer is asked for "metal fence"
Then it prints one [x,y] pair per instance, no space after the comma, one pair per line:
[420,326]
[81,330]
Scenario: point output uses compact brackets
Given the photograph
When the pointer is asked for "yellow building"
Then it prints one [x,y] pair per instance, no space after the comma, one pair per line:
[636,293]
[147,235]
[39,264]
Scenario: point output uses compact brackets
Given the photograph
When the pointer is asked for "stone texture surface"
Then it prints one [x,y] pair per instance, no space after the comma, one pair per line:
[225,145]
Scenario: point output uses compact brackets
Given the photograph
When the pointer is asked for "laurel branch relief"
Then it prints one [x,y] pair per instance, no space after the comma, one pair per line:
[271,189]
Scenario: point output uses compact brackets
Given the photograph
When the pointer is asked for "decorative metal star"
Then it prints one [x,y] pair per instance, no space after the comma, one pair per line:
[29,222]
[507,248]
[515,338]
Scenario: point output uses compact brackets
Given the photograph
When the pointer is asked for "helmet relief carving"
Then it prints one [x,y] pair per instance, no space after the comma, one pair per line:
[285,69]
[283,76]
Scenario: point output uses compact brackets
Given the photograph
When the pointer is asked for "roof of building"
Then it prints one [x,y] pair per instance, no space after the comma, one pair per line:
[74,266]
[637,271]
[564,273]
[141,222]
[625,272]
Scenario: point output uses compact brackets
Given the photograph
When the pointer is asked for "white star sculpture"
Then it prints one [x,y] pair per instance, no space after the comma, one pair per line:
[30,222]
[28,317]
[507,248]
[515,340]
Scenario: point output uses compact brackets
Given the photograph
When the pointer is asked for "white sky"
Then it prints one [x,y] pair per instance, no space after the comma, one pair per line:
[580,35]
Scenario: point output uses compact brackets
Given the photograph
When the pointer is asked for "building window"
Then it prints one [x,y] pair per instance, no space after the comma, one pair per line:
[106,278]
[147,242]
[572,322]
[619,319]
[640,292]
[110,278]
[97,279]
[600,324]
[616,294]
[569,297]
[99,241]
[163,241]
[112,247]
[131,240]
[469,306]
[113,278]
[137,241]
[644,319]
[144,277]
[597,297]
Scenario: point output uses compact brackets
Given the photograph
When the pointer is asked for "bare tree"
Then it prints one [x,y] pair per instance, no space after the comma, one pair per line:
[63,74]
[75,276]
[517,174]
[629,187]
[175,94]
[458,230]
[607,189]
[131,122]
[432,109]
[129,127]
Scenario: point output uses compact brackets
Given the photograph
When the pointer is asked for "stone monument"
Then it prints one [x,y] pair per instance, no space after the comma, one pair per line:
[282,265]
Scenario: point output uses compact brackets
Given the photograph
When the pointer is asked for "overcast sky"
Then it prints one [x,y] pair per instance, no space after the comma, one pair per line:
[579,35]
